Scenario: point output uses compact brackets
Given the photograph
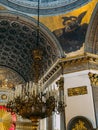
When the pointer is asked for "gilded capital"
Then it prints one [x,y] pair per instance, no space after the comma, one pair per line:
[60,83]
[93,78]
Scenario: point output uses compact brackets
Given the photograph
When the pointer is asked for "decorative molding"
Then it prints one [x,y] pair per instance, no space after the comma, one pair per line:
[71,65]
[24,125]
[47,7]
[60,83]
[2,8]
[77,91]
[91,40]
[80,123]
[93,78]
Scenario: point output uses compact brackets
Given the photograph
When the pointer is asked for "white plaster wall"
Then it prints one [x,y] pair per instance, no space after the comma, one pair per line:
[81,105]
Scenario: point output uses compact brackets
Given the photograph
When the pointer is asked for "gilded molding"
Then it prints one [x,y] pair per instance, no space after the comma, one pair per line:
[2,8]
[77,91]
[24,125]
[80,125]
[71,65]
[62,64]
[60,83]
[93,78]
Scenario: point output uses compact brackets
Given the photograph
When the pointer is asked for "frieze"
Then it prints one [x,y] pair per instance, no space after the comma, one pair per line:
[67,65]
[71,65]
[77,91]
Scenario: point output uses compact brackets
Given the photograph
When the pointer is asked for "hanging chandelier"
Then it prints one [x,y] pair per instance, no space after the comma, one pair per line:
[33,100]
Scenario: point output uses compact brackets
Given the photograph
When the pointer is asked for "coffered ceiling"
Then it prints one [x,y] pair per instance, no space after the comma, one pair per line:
[18,40]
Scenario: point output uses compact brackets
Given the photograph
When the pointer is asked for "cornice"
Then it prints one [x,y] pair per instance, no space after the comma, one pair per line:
[70,65]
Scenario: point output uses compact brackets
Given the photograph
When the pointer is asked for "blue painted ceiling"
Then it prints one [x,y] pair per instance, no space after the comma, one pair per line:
[47,7]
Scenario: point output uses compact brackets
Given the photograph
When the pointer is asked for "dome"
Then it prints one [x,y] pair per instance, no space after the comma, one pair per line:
[47,7]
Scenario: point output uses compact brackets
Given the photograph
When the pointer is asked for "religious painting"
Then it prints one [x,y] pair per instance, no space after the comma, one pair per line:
[72,36]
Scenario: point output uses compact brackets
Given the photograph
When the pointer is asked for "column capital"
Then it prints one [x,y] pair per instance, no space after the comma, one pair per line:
[60,83]
[93,78]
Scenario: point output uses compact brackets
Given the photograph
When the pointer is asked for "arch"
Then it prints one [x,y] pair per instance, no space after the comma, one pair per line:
[33,21]
[18,40]
[52,7]
[91,41]
[81,122]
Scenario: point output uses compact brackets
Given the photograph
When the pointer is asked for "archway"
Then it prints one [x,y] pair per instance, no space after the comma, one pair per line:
[18,39]
[91,42]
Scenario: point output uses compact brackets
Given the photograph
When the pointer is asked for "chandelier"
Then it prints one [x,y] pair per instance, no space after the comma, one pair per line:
[33,100]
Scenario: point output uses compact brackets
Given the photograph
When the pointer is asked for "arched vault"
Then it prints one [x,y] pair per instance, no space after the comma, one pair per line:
[91,41]
[17,41]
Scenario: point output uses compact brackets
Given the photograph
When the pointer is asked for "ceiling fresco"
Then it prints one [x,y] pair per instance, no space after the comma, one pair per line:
[72,36]
[55,22]
[18,37]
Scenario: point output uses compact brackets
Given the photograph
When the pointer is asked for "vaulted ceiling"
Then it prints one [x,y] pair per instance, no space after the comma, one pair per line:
[18,40]
[18,35]
[47,7]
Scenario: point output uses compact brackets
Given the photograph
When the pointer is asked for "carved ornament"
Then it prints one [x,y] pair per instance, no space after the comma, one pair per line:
[60,83]
[77,91]
[71,65]
[93,78]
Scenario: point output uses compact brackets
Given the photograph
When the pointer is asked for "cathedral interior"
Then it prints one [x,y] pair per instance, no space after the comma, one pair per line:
[48,64]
